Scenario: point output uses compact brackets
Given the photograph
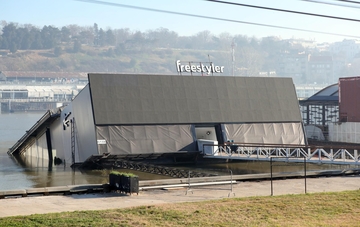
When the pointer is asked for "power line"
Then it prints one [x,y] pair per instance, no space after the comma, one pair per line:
[211,18]
[333,4]
[347,1]
[285,10]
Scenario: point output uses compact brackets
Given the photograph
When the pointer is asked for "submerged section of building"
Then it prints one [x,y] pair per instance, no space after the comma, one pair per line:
[132,115]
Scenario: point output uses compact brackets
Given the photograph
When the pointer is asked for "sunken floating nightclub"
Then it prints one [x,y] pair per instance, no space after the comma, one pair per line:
[129,116]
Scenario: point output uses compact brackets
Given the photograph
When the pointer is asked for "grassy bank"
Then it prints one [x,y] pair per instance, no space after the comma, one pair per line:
[318,209]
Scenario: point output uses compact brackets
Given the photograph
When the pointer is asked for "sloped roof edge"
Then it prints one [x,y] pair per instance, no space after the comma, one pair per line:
[45,120]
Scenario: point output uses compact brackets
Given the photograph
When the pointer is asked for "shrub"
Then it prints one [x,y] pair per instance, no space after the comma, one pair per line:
[114,172]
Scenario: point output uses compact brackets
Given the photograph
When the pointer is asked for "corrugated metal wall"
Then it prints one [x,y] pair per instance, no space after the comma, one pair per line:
[120,99]
[84,125]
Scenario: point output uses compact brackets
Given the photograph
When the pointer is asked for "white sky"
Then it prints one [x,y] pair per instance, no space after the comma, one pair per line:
[65,12]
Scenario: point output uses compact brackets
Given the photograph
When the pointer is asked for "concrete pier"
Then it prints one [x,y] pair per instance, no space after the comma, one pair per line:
[172,183]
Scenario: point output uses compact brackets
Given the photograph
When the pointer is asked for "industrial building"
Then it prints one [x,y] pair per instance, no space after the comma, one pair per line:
[335,111]
[347,129]
[129,115]
[25,91]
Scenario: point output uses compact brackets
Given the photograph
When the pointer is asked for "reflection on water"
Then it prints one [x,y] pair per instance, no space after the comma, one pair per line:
[11,175]
[36,174]
[255,167]
[43,176]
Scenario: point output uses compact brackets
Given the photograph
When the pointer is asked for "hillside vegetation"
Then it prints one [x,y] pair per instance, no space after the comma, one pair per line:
[94,59]
[74,48]
[88,60]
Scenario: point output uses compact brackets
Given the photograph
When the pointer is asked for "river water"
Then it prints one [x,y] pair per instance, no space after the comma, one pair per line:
[16,174]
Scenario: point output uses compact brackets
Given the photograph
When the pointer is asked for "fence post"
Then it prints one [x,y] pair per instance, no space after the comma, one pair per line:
[305,174]
[271,172]
[271,175]
[189,189]
[231,183]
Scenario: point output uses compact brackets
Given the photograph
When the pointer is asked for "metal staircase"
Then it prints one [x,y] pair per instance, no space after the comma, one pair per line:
[73,141]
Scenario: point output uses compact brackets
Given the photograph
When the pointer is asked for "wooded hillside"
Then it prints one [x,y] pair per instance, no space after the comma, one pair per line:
[74,48]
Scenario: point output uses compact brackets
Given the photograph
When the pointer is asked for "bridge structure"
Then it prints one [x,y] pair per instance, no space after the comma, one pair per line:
[332,154]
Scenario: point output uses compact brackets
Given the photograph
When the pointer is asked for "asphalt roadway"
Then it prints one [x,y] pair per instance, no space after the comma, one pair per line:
[101,201]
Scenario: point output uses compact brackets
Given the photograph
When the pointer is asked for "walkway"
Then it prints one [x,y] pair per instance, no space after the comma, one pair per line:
[290,153]
[99,201]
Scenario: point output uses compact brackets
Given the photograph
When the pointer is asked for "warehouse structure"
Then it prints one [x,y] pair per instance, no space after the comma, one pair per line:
[347,129]
[333,114]
[147,115]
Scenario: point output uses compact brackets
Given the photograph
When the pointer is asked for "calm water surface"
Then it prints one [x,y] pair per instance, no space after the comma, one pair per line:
[17,174]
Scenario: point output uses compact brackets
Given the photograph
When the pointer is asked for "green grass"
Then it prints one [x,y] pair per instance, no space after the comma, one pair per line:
[318,209]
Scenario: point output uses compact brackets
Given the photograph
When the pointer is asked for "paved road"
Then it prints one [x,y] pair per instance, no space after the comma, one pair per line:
[101,201]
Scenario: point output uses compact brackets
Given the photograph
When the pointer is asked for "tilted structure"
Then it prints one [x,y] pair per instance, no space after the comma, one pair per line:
[144,115]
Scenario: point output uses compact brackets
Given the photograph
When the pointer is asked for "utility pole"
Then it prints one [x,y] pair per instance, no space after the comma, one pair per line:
[233,57]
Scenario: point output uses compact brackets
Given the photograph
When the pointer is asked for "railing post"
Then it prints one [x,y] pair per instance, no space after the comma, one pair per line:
[288,153]
[189,189]
[332,154]
[356,156]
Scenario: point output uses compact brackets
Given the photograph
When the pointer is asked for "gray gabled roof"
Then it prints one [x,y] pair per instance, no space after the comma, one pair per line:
[120,99]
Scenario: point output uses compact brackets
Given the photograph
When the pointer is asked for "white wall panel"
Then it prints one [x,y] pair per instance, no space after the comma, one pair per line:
[267,133]
[147,139]
[348,132]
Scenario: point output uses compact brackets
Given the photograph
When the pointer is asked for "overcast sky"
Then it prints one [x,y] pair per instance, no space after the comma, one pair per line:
[85,13]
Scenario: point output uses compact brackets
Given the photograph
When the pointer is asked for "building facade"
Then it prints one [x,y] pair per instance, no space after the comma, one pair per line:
[143,115]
